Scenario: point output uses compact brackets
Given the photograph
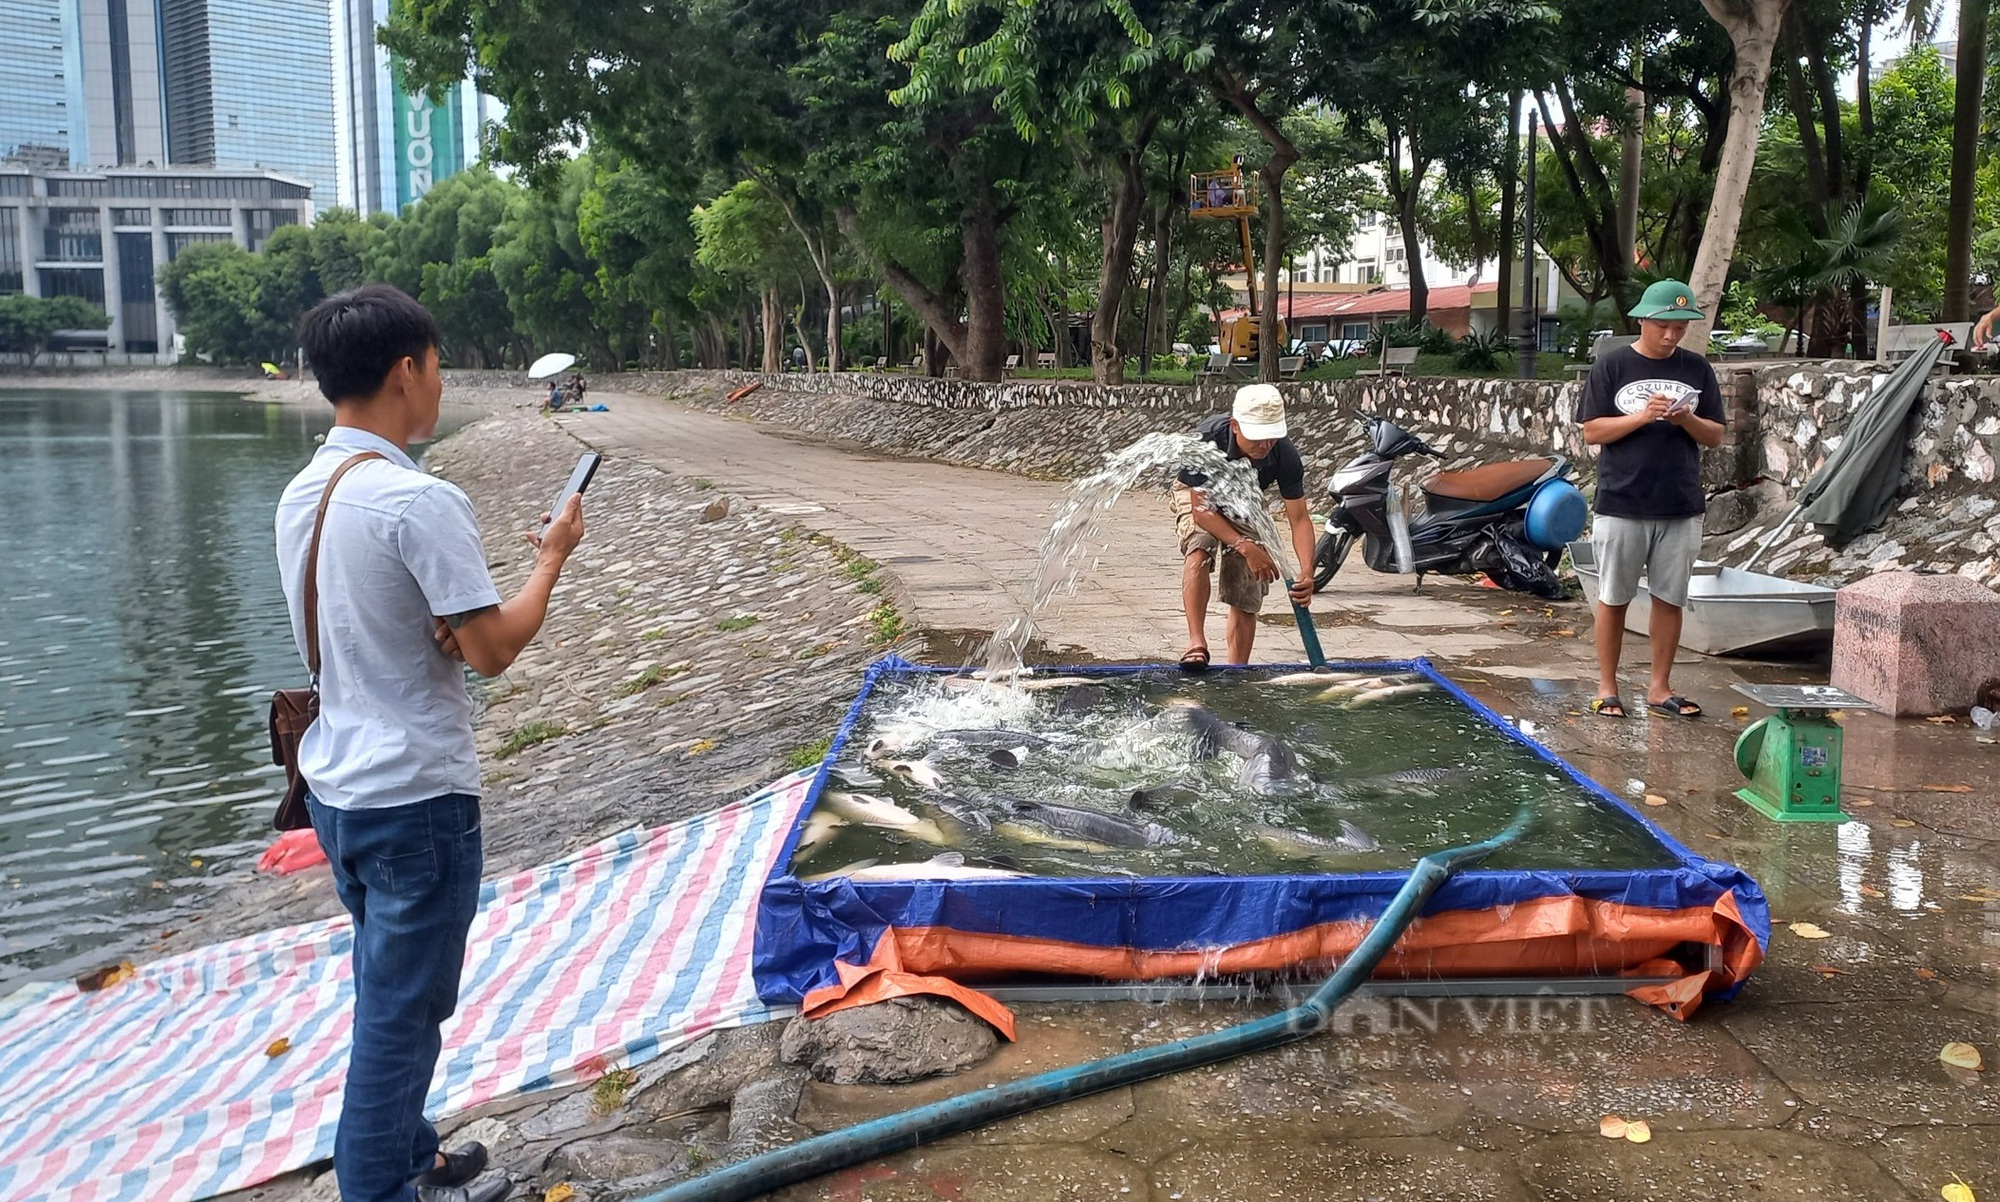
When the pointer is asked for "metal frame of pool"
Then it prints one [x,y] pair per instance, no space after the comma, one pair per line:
[815,939]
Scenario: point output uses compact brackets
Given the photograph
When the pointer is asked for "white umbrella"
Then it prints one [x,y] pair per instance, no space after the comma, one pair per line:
[549,365]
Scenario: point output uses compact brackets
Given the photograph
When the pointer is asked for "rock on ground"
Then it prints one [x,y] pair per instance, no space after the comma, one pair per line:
[906,1039]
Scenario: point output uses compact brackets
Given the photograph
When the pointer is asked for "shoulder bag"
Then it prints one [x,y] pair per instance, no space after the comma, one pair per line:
[293,710]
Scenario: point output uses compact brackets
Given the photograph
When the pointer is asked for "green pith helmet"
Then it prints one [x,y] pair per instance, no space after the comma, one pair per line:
[1667,300]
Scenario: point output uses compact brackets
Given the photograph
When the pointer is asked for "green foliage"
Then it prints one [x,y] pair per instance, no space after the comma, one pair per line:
[521,738]
[28,323]
[1481,352]
[808,755]
[1423,335]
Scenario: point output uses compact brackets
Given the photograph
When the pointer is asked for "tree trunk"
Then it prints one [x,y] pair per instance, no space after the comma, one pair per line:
[1283,154]
[1510,182]
[1971,79]
[1631,156]
[985,345]
[1120,232]
[1403,189]
[774,332]
[833,359]
[669,345]
[1752,26]
[1152,342]
[1864,168]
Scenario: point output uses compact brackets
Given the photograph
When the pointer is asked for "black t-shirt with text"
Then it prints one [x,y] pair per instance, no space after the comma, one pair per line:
[1655,471]
[1280,466]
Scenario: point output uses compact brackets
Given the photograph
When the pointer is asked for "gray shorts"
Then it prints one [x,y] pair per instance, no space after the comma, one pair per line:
[1238,587]
[1662,550]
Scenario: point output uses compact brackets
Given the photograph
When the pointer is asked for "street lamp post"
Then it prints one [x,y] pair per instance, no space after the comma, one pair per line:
[1531,322]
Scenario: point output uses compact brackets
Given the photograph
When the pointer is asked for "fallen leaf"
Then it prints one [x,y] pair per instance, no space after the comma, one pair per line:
[1564,633]
[1807,930]
[1942,720]
[1983,739]
[1902,822]
[561,1191]
[278,1048]
[701,745]
[1871,891]
[197,863]
[1829,971]
[1946,788]
[1957,1191]
[1654,799]
[1506,613]
[1926,974]
[1961,1055]
[1984,893]
[1639,1131]
[1860,801]
[105,978]
[1611,1127]
[1739,711]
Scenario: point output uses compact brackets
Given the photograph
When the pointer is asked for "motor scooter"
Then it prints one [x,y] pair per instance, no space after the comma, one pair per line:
[1510,520]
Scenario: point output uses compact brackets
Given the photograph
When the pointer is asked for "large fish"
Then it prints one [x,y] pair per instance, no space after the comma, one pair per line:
[920,773]
[1305,844]
[881,812]
[1092,826]
[965,813]
[1413,778]
[994,738]
[1269,765]
[819,828]
[950,866]
[1387,693]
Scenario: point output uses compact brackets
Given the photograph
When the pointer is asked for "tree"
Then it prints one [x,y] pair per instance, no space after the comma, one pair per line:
[29,323]
[1753,27]
[222,300]
[1965,131]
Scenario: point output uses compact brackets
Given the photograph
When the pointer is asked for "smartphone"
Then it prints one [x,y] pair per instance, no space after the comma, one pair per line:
[586,467]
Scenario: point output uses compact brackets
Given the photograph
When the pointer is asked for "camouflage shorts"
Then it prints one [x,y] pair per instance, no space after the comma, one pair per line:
[1239,588]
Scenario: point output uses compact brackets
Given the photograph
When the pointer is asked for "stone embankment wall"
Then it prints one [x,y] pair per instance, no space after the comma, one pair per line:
[1783,421]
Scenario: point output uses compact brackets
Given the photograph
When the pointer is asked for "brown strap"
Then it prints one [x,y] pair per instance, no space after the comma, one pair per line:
[312,562]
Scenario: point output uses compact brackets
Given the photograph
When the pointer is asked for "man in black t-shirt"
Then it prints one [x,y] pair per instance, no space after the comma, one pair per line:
[1253,429]
[1649,409]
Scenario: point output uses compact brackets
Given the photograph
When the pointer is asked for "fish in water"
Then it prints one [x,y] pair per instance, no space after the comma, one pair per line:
[819,828]
[994,738]
[1093,826]
[1007,757]
[920,773]
[1041,836]
[1269,764]
[881,812]
[1305,844]
[965,813]
[1307,678]
[889,743]
[1388,693]
[852,773]
[1362,684]
[1414,778]
[1082,699]
[950,866]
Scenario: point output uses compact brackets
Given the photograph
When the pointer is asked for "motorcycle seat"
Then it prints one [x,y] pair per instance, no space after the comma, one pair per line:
[1488,482]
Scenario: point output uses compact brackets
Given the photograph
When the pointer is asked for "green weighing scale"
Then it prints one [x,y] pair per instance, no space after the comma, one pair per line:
[1793,757]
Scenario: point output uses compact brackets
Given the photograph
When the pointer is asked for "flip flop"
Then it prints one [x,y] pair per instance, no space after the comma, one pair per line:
[1195,659]
[1676,706]
[1607,707]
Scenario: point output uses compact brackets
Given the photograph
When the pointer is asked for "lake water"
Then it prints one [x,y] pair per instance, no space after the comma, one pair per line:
[141,631]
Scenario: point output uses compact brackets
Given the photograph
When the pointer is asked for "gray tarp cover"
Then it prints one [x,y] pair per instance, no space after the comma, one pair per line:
[1855,488]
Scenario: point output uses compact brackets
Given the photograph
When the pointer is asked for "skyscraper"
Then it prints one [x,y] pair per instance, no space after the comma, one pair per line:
[80,83]
[249,83]
[35,74]
[393,144]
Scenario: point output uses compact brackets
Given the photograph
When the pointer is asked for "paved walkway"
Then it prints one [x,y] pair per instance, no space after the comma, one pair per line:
[962,543]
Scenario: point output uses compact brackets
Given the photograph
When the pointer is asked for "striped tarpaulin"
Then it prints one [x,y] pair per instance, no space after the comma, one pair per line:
[160,1088]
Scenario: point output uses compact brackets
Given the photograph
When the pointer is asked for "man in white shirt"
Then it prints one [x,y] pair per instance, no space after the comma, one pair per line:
[404,600]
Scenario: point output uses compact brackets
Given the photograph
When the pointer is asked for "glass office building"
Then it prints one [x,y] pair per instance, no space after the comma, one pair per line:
[40,57]
[249,83]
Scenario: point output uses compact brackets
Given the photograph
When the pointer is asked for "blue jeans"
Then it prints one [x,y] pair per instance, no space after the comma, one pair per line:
[410,877]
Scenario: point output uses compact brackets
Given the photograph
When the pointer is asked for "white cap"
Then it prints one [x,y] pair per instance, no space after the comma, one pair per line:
[1259,412]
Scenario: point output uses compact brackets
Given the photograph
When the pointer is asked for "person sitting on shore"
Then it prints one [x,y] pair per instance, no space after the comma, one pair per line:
[1255,430]
[403,600]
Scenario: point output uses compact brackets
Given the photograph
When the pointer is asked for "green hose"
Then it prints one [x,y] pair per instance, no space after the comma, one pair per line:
[838,1149]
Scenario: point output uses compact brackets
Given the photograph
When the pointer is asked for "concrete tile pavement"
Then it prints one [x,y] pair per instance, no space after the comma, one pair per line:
[1822,1080]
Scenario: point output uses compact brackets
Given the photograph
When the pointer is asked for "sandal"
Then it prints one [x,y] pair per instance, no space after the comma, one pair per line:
[1677,706]
[1195,659]
[1608,707]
